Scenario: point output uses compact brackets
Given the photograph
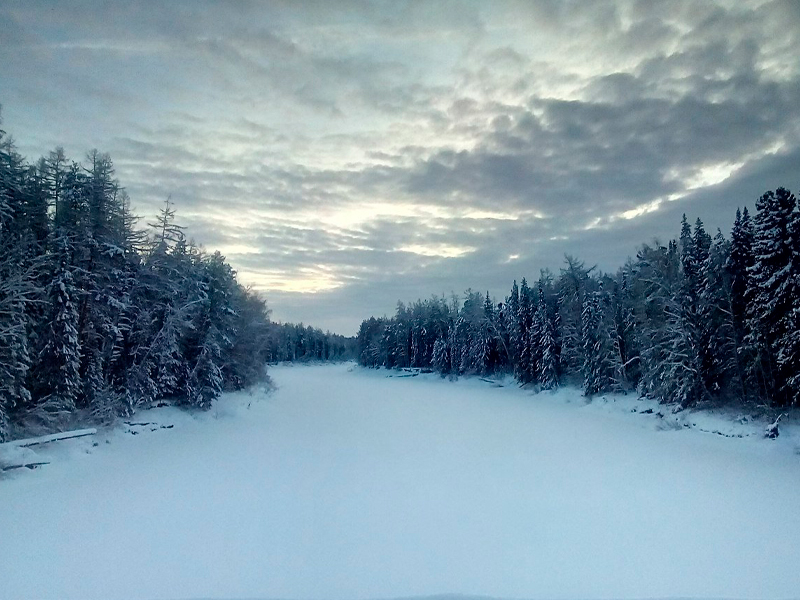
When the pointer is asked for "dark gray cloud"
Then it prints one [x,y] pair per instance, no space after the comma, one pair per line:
[344,156]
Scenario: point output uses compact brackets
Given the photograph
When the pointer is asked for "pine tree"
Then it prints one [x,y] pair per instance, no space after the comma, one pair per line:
[524,322]
[737,270]
[15,360]
[771,292]
[572,287]
[788,344]
[467,335]
[55,168]
[625,328]
[167,232]
[548,371]
[205,379]
[453,342]
[58,375]
[740,261]
[682,341]
[17,288]
[700,310]
[370,334]
[511,318]
[441,357]
[602,362]
[488,350]
[724,372]
[592,359]
[667,341]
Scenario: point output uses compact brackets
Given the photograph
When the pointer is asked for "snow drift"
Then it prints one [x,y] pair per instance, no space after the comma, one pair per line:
[346,483]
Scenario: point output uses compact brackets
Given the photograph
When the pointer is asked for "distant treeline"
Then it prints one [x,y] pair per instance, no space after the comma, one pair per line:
[98,317]
[701,319]
[290,342]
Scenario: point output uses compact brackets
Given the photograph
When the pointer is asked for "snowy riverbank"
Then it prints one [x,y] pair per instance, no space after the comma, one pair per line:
[346,483]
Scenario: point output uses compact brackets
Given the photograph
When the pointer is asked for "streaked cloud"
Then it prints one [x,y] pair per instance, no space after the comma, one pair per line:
[344,156]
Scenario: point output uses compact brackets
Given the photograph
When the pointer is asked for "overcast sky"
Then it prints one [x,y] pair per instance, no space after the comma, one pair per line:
[344,156]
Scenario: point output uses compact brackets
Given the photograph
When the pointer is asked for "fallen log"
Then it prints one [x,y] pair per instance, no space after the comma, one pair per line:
[53,437]
[30,465]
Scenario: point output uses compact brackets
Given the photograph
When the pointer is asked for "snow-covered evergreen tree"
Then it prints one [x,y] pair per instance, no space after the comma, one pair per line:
[441,357]
[740,261]
[772,291]
[524,322]
[788,344]
[590,323]
[548,359]
[738,264]
[572,287]
[58,372]
[725,372]
[487,354]
[17,283]
[602,359]
[15,361]
[666,351]
[205,379]
[511,318]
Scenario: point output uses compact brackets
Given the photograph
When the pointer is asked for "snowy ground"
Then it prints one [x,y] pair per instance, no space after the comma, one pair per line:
[346,483]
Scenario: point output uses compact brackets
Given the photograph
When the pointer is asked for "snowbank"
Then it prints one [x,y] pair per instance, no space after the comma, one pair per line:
[346,483]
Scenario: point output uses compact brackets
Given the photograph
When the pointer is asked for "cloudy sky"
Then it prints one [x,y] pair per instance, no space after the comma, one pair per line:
[344,156]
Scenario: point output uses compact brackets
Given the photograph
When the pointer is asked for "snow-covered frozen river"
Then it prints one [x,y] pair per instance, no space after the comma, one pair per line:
[347,484]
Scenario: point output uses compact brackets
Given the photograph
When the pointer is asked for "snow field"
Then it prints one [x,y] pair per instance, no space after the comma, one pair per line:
[346,483]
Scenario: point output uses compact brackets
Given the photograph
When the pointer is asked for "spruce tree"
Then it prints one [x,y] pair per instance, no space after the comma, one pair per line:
[771,292]
[524,321]
[512,326]
[441,357]
[572,287]
[548,360]
[17,284]
[592,359]
[58,372]
[725,374]
[737,270]
[789,343]
[488,350]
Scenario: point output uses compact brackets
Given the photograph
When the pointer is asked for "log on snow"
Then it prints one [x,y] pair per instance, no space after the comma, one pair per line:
[30,465]
[54,437]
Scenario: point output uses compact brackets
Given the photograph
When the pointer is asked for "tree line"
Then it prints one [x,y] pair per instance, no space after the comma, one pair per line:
[289,342]
[701,319]
[98,316]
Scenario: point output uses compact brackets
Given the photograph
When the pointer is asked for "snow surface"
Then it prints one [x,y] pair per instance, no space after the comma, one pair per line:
[346,483]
